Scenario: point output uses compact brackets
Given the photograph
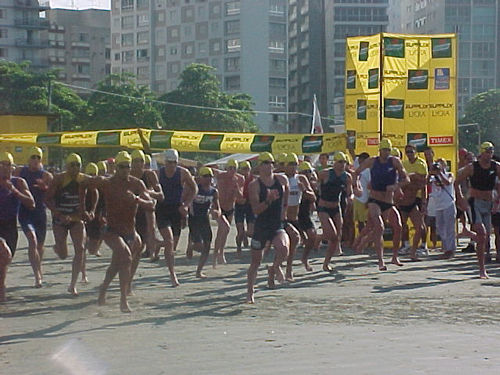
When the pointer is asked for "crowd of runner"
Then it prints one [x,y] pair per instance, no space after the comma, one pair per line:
[360,201]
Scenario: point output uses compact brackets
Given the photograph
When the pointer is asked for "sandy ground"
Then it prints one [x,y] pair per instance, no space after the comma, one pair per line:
[433,317]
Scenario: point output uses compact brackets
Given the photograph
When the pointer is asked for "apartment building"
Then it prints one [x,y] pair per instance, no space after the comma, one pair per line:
[79,46]
[245,41]
[21,31]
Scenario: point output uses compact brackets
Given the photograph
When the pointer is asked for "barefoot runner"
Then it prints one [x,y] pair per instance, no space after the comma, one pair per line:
[306,225]
[268,197]
[243,210]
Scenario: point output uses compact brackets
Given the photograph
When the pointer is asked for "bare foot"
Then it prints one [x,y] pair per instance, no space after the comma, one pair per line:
[307,266]
[397,262]
[327,268]
[59,254]
[189,253]
[221,259]
[289,278]
[124,307]
[201,275]
[38,283]
[174,280]
[101,300]
[278,274]
[155,258]
[85,280]
[72,290]
[381,265]
[483,275]
[250,299]
[270,277]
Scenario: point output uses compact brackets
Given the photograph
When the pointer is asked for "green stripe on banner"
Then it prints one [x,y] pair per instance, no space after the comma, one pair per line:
[108,139]
[160,139]
[262,143]
[312,144]
[49,139]
[211,142]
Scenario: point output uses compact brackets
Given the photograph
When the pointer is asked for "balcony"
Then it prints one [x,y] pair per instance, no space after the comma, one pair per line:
[32,23]
[76,60]
[41,5]
[23,43]
[80,44]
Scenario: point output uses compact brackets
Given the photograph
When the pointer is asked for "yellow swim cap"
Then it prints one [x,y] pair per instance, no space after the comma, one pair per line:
[204,171]
[102,166]
[6,156]
[395,152]
[486,146]
[138,154]
[340,156]
[245,164]
[147,159]
[73,158]
[305,166]
[92,169]
[280,158]
[265,156]
[291,158]
[385,143]
[36,151]
[232,163]
[123,157]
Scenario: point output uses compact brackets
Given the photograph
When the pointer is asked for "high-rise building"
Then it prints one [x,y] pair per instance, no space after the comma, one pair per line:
[246,41]
[346,18]
[79,45]
[306,62]
[20,31]
[477,23]
[394,12]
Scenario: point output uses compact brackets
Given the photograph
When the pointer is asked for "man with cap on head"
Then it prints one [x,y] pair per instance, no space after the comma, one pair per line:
[268,196]
[388,176]
[243,210]
[123,194]
[280,161]
[63,199]
[145,220]
[482,175]
[14,192]
[205,201]
[34,222]
[178,189]
[333,182]
[299,188]
[230,185]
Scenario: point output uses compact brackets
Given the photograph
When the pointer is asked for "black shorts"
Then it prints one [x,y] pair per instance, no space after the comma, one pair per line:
[141,225]
[8,231]
[168,215]
[384,206]
[94,229]
[409,208]
[305,223]
[243,212]
[228,214]
[330,211]
[262,234]
[199,229]
[495,220]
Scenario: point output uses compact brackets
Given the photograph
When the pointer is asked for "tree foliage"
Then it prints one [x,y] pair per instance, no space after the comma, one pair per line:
[483,109]
[133,106]
[200,87]
[23,90]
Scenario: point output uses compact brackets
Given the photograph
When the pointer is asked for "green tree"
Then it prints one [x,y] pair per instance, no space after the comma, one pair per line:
[25,91]
[200,87]
[128,106]
[484,110]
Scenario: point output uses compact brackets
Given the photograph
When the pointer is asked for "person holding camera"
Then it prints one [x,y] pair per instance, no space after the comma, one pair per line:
[443,195]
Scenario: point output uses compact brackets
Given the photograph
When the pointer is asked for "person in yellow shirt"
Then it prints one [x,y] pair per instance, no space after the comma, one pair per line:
[413,202]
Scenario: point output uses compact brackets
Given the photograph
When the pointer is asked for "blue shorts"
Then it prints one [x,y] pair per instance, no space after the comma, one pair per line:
[34,221]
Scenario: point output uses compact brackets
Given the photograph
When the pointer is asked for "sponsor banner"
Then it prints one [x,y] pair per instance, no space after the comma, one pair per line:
[394,47]
[160,139]
[372,141]
[442,140]
[211,142]
[351,79]
[236,143]
[373,78]
[312,144]
[418,79]
[441,48]
[364,48]
[361,109]
[442,79]
[79,139]
[394,108]
[108,138]
[419,140]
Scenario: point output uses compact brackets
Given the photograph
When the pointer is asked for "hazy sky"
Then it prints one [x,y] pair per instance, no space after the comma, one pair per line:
[80,4]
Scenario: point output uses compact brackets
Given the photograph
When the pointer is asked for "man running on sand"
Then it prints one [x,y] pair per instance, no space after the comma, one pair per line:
[14,191]
[482,175]
[123,194]
[230,186]
[63,199]
[299,188]
[243,210]
[178,189]
[268,197]
[385,171]
[306,225]
[34,222]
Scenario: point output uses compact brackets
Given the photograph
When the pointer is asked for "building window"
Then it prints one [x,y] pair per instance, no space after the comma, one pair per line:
[143,72]
[278,65]
[214,27]
[3,52]
[276,46]
[233,45]
[127,4]
[127,22]
[232,27]
[232,64]
[143,37]
[277,101]
[107,53]
[127,40]
[277,8]
[3,33]
[214,63]
[278,83]
[232,8]
[188,49]
[83,69]
[173,51]
[3,13]
[142,4]
[128,56]
[142,20]
[202,48]
[142,55]
[188,31]
[117,57]
[232,83]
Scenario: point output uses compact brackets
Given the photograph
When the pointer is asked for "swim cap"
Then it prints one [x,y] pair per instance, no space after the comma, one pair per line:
[6,156]
[147,159]
[305,166]
[123,157]
[487,146]
[291,158]
[340,156]
[138,154]
[171,154]
[245,164]
[265,156]
[280,158]
[92,169]
[102,166]
[205,171]
[73,158]
[232,163]
[385,143]
[36,151]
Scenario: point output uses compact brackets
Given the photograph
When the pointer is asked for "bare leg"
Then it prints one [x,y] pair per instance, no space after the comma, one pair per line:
[135,250]
[418,223]
[240,236]
[308,245]
[5,259]
[481,245]
[252,273]
[220,240]
[329,233]
[281,243]
[77,233]
[392,215]
[168,240]
[294,237]
[60,239]
[34,257]
[205,251]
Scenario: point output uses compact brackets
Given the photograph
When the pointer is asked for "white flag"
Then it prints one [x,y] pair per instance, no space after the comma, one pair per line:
[316,126]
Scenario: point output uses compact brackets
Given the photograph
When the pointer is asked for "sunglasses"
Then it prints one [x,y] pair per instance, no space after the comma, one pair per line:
[123,166]
[409,151]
